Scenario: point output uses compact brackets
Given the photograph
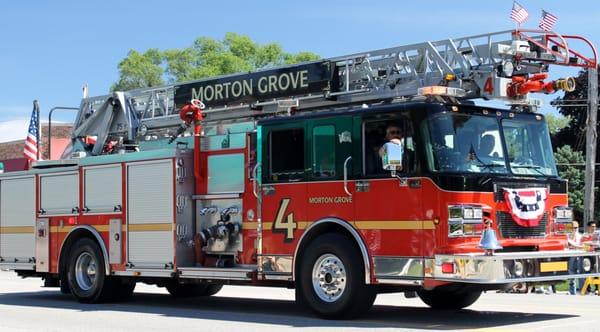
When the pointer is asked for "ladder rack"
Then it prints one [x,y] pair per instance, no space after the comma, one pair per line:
[469,64]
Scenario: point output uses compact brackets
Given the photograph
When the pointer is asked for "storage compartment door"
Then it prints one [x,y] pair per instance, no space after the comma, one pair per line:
[102,189]
[17,220]
[150,214]
[59,194]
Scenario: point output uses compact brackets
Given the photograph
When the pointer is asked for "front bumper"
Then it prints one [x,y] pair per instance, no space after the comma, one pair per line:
[500,268]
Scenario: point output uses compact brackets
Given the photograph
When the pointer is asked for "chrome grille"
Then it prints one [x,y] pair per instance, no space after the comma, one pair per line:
[509,229]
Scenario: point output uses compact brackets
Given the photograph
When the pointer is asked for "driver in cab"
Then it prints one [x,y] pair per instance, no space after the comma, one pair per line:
[393,135]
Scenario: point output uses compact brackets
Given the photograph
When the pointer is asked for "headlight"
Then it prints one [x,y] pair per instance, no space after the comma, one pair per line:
[563,219]
[455,212]
[465,220]
[468,213]
[563,213]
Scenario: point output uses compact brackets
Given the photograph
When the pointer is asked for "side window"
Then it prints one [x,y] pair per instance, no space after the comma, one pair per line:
[376,134]
[287,154]
[323,151]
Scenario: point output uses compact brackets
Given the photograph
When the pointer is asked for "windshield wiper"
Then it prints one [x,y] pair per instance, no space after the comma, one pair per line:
[473,156]
[490,166]
[533,167]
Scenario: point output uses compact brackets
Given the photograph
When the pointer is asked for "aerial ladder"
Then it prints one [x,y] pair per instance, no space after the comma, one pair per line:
[505,66]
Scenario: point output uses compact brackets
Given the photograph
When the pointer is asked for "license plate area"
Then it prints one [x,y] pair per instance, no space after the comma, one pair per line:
[556,266]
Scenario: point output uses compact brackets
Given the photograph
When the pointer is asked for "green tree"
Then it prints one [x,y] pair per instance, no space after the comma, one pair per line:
[573,105]
[556,123]
[139,70]
[569,164]
[206,57]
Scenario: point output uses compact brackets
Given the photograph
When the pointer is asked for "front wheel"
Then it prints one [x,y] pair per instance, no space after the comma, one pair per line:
[331,278]
[448,299]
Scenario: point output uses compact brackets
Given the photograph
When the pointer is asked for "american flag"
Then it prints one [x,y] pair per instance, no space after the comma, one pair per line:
[31,143]
[518,13]
[548,20]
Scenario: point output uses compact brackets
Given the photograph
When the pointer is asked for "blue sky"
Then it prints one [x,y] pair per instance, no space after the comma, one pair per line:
[49,49]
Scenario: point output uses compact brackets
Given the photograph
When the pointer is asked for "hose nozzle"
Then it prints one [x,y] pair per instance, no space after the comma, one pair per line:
[566,84]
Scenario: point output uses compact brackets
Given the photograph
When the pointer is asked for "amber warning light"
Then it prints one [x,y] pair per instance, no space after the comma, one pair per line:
[436,90]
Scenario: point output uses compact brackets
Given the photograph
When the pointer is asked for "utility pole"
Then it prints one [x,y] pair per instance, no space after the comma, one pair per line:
[591,137]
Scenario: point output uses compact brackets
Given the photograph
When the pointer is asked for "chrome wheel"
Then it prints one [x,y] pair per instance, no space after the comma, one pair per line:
[85,271]
[329,277]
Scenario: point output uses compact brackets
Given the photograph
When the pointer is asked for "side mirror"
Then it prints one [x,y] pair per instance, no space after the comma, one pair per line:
[392,157]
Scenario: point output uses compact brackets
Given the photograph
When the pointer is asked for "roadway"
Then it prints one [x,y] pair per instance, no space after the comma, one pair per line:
[25,306]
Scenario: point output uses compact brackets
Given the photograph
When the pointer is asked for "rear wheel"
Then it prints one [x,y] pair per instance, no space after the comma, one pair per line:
[449,299]
[330,280]
[86,274]
[191,290]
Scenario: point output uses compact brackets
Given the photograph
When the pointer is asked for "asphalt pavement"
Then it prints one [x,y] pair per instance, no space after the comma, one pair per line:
[26,306]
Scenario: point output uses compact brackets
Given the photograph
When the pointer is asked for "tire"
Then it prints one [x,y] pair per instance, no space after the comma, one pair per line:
[448,299]
[192,290]
[338,290]
[86,273]
[212,289]
[64,285]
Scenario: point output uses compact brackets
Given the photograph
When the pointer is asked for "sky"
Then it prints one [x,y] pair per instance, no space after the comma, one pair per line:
[50,49]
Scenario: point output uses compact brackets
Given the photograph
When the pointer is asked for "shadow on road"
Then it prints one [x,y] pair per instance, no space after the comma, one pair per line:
[280,312]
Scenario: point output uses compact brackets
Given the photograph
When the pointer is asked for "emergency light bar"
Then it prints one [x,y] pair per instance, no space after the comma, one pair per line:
[436,90]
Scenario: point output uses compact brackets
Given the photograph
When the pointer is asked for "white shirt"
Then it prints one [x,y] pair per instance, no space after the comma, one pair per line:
[574,239]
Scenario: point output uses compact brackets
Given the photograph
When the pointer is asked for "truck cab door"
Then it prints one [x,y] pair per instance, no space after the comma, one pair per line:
[330,156]
[388,207]
[283,159]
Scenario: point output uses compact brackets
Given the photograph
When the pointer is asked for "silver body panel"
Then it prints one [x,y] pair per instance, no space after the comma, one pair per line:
[115,242]
[184,216]
[102,189]
[231,245]
[398,268]
[217,273]
[65,203]
[17,219]
[150,200]
[42,245]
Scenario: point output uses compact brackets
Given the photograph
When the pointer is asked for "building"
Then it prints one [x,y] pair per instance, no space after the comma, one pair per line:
[11,153]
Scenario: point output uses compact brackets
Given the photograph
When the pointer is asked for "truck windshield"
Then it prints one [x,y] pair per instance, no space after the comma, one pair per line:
[462,143]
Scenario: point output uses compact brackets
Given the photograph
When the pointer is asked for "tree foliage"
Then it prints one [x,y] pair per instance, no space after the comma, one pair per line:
[206,57]
[574,133]
[557,123]
[572,139]
[569,164]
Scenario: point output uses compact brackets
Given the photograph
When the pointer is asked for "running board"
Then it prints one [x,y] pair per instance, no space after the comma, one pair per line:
[216,273]
[5,266]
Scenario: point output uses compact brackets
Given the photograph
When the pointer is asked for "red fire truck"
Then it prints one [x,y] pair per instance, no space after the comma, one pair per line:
[342,178]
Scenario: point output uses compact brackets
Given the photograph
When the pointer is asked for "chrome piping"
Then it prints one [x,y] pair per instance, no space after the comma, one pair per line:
[363,248]
[346,176]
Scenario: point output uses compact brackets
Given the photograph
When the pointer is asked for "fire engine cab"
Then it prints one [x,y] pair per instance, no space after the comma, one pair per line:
[342,178]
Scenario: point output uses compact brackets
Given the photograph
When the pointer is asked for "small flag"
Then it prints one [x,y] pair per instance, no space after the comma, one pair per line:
[31,142]
[518,13]
[548,20]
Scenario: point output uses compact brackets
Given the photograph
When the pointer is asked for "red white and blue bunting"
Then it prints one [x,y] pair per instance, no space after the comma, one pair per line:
[527,206]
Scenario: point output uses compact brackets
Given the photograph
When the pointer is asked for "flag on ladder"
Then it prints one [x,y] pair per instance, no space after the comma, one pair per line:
[31,142]
[518,13]
[548,20]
